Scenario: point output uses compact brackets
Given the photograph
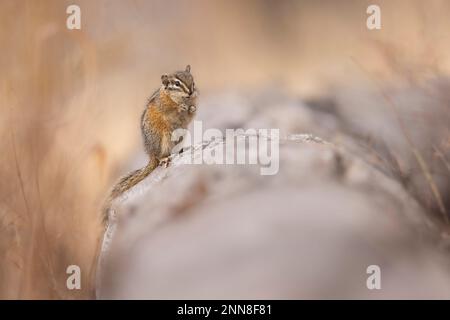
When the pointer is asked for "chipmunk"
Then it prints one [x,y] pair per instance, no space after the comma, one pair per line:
[170,107]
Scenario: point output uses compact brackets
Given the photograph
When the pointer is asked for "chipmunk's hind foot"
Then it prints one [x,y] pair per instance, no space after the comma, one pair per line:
[165,162]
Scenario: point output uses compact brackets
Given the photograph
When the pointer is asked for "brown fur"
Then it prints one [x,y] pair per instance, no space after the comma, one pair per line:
[171,107]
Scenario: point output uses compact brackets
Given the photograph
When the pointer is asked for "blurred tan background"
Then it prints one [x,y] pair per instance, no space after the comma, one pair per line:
[70,100]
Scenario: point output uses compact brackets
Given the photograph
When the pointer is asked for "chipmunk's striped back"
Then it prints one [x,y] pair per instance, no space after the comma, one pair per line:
[166,111]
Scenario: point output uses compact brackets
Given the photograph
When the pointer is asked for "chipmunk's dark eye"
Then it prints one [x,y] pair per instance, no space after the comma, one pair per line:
[177,83]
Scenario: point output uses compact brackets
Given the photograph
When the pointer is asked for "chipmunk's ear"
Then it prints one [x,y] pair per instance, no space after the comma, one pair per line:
[165,79]
[188,68]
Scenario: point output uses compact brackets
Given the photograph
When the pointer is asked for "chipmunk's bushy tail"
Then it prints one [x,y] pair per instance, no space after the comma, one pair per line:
[127,182]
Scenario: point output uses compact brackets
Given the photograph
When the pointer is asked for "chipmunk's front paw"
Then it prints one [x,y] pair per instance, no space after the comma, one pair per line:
[183,107]
[192,109]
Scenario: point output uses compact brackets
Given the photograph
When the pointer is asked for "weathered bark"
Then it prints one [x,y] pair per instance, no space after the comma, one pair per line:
[310,231]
